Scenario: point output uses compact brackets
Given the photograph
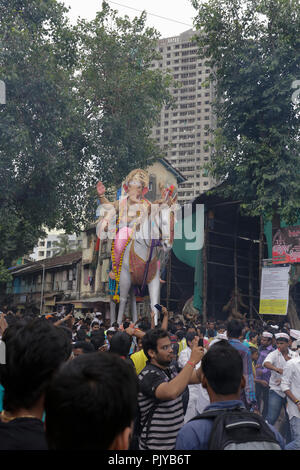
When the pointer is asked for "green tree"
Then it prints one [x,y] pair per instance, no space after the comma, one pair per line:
[63,245]
[253,48]
[122,95]
[42,163]
[5,276]
[80,104]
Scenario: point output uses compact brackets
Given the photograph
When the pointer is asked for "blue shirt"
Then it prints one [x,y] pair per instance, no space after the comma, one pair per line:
[195,434]
[1,397]
[245,354]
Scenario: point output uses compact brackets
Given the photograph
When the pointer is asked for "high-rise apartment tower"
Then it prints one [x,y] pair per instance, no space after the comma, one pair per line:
[183,132]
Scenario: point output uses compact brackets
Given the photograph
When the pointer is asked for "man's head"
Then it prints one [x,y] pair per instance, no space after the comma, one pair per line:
[266,339]
[33,353]
[234,329]
[282,342]
[82,347]
[91,404]
[222,369]
[157,347]
[254,353]
[190,337]
[210,332]
[253,337]
[221,328]
[179,324]
[95,326]
[191,328]
[97,339]
[110,333]
[120,344]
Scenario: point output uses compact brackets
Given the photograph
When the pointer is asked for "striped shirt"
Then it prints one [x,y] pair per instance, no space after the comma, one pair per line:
[160,420]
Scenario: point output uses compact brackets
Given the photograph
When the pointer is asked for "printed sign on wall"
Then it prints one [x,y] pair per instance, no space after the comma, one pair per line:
[274,293]
[286,245]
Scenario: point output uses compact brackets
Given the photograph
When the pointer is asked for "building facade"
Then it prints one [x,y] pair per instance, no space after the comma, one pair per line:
[46,247]
[41,286]
[183,132]
[79,279]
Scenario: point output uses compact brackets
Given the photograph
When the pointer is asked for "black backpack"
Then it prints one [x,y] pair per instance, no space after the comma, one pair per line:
[138,426]
[239,429]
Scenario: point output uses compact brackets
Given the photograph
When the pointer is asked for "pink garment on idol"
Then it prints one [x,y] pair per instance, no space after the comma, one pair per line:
[120,242]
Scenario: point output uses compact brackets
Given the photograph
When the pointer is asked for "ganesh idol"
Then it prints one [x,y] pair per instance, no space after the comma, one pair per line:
[123,216]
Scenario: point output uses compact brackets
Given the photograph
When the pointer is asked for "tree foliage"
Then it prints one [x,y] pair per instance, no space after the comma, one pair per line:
[122,95]
[253,48]
[80,104]
[64,245]
[42,141]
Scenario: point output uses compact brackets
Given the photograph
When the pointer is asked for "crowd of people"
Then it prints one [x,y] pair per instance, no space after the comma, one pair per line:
[71,383]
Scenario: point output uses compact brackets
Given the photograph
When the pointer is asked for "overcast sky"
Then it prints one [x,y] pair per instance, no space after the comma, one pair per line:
[179,11]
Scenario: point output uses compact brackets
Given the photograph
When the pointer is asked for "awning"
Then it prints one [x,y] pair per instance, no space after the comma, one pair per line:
[50,303]
[95,299]
[80,303]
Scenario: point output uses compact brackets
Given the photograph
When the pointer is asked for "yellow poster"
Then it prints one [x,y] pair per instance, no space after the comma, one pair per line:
[273,307]
[274,293]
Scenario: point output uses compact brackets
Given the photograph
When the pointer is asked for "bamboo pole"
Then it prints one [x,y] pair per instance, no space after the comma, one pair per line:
[235,260]
[168,281]
[251,281]
[205,266]
[261,248]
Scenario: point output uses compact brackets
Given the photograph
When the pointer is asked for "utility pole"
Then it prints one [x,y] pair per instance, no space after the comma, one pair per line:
[42,290]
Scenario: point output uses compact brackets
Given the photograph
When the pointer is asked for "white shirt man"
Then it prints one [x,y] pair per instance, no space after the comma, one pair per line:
[290,385]
[278,362]
[196,392]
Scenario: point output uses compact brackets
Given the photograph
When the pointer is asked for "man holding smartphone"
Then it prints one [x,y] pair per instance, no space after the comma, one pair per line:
[160,402]
[197,395]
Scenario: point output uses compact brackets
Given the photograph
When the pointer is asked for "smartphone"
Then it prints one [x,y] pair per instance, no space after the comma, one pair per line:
[159,307]
[200,342]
